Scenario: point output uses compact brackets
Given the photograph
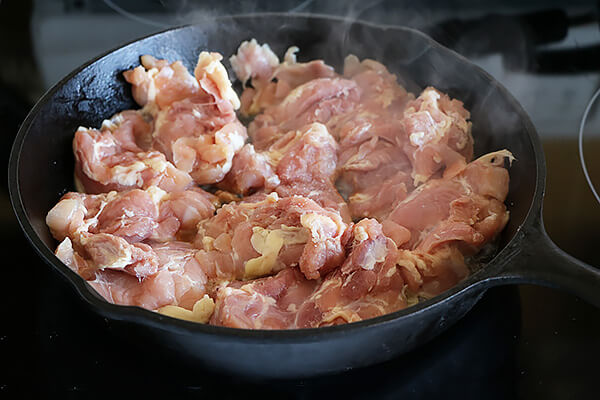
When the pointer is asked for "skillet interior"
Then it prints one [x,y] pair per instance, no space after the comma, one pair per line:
[41,169]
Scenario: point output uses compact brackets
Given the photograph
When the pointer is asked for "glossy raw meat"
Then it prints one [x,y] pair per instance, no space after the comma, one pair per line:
[195,122]
[306,164]
[256,238]
[180,280]
[106,229]
[272,81]
[103,251]
[375,171]
[267,303]
[428,274]
[445,219]
[254,61]
[275,246]
[368,284]
[317,100]
[375,177]
[160,82]
[134,215]
[467,207]
[439,135]
[301,162]
[105,161]
[250,172]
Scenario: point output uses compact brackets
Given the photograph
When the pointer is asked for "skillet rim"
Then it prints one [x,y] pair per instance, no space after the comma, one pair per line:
[138,315]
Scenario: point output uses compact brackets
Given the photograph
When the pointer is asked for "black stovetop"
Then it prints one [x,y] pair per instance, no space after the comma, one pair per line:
[518,342]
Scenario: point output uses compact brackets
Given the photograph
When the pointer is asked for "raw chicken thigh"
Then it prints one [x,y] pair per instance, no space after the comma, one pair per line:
[195,124]
[256,238]
[107,230]
[345,198]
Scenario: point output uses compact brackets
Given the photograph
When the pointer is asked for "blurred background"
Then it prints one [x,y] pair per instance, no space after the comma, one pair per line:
[519,342]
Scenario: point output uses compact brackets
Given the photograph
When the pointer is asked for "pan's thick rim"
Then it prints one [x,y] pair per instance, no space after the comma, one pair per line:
[154,320]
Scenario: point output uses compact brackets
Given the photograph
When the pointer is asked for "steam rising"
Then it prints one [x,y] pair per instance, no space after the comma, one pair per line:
[333,42]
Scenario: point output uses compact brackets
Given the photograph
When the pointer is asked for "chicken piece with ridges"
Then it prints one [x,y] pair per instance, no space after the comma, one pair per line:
[261,237]
[200,133]
[368,284]
[134,215]
[266,303]
[317,100]
[180,280]
[444,220]
[467,207]
[375,172]
[107,229]
[272,81]
[439,134]
[102,165]
[301,162]
[158,82]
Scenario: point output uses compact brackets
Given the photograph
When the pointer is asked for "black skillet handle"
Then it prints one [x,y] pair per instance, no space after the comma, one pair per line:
[542,262]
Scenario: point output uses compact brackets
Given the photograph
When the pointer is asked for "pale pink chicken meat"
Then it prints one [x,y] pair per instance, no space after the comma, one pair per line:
[199,131]
[195,117]
[254,61]
[317,100]
[95,253]
[382,101]
[195,123]
[281,251]
[439,134]
[110,252]
[380,109]
[261,237]
[179,279]
[91,253]
[130,215]
[250,172]
[467,207]
[301,162]
[305,155]
[160,82]
[323,193]
[306,165]
[271,80]
[375,172]
[131,129]
[106,229]
[266,303]
[428,274]
[446,219]
[134,215]
[380,91]
[367,285]
[207,158]
[432,131]
[181,212]
[102,165]
[375,176]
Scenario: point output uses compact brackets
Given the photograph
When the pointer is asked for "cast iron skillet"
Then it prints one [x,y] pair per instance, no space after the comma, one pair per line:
[41,170]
